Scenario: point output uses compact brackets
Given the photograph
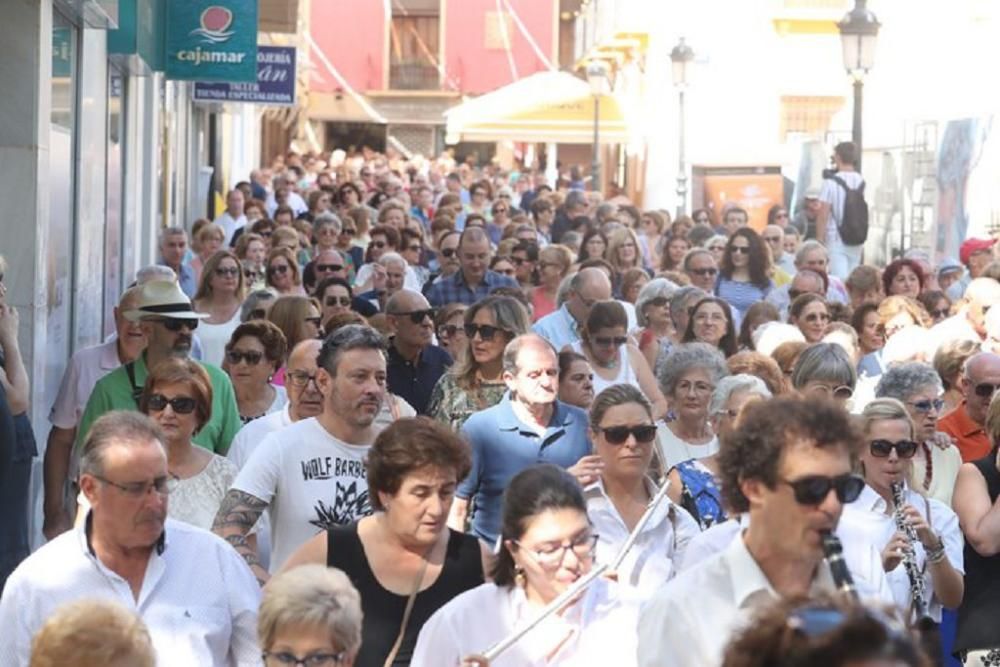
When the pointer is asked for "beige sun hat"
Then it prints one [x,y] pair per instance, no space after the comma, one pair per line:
[163,298]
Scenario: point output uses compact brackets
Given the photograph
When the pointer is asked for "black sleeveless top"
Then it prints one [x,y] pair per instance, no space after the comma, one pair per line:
[383,610]
[979,614]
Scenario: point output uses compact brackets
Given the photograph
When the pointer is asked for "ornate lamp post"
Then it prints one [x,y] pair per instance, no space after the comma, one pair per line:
[858,36]
[597,77]
[680,57]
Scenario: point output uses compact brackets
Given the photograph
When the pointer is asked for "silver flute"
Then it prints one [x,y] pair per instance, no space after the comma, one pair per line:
[918,587]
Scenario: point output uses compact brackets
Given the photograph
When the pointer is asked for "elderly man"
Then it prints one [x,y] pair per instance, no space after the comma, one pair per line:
[528,426]
[232,219]
[197,599]
[329,264]
[415,363]
[86,367]
[701,268]
[562,327]
[473,281]
[310,475]
[390,276]
[804,282]
[168,322]
[173,248]
[774,236]
[966,423]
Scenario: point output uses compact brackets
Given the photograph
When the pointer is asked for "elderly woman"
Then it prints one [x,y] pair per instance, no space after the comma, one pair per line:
[178,397]
[615,360]
[256,305]
[623,432]
[694,484]
[310,616]
[824,370]
[449,324]
[554,262]
[887,459]
[221,291]
[652,314]
[576,380]
[403,559]
[689,376]
[253,355]
[209,239]
[283,275]
[474,383]
[711,322]
[547,543]
[918,386]
[811,315]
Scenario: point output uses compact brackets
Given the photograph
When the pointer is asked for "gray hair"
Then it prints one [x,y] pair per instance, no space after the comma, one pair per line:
[575,198]
[808,247]
[827,362]
[728,386]
[118,426]
[680,298]
[313,595]
[690,356]
[154,272]
[712,239]
[327,217]
[565,287]
[391,258]
[167,232]
[695,252]
[253,300]
[904,380]
[655,288]
[345,339]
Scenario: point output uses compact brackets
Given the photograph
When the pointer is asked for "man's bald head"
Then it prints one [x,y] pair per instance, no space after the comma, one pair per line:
[587,287]
[406,301]
[980,376]
[303,355]
[983,292]
[305,401]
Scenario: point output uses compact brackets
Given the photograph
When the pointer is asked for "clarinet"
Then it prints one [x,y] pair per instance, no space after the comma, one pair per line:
[833,550]
[918,592]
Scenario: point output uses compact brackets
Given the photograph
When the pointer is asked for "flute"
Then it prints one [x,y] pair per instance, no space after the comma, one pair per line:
[833,550]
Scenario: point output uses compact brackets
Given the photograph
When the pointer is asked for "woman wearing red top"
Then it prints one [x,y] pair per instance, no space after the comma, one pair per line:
[553,265]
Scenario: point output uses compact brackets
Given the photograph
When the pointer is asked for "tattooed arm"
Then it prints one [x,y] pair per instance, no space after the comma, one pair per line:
[237,514]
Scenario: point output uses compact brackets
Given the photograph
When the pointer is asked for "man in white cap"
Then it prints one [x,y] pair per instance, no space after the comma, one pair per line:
[169,322]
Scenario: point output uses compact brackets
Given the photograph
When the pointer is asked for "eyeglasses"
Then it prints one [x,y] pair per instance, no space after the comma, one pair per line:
[448,252]
[250,274]
[499,210]
[813,489]
[486,332]
[817,317]
[518,261]
[617,435]
[266,235]
[658,301]
[314,660]
[316,321]
[299,379]
[610,341]
[448,330]
[348,232]
[416,316]
[842,392]
[162,485]
[739,249]
[941,313]
[703,272]
[905,449]
[332,301]
[550,556]
[182,405]
[176,324]
[414,248]
[332,268]
[252,357]
[278,268]
[378,244]
[928,404]
[227,271]
[985,389]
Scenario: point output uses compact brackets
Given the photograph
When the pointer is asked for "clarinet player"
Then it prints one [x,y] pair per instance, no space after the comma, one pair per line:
[919,537]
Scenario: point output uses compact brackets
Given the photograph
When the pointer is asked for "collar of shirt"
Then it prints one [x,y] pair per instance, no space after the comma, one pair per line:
[507,420]
[963,421]
[871,501]
[749,582]
[598,501]
[109,355]
[396,358]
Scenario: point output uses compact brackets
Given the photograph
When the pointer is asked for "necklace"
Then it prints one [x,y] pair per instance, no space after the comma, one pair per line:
[928,467]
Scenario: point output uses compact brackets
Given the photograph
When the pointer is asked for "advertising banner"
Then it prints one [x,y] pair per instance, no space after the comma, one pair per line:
[275,81]
[211,40]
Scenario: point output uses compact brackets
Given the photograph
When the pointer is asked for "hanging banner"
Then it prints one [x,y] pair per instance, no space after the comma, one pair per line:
[275,81]
[211,40]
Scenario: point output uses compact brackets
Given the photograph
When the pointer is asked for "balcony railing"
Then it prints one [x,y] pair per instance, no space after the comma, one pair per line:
[413,76]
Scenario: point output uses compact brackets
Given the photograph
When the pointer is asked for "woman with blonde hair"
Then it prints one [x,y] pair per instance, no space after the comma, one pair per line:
[623,254]
[554,262]
[298,317]
[221,291]
[283,274]
[210,238]
[650,231]
[93,633]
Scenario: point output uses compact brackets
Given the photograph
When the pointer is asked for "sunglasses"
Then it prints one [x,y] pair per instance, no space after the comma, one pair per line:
[704,272]
[448,252]
[817,317]
[812,490]
[258,314]
[842,392]
[329,267]
[617,435]
[739,250]
[943,313]
[448,330]
[250,274]
[299,379]
[182,405]
[609,341]
[315,321]
[266,235]
[985,389]
[414,248]
[928,404]
[486,332]
[416,316]
[280,268]
[332,301]
[225,272]
[658,301]
[348,232]
[378,244]
[905,449]
[252,357]
[175,325]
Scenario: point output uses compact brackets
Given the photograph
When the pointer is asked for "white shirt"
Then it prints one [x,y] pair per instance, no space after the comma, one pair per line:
[294,201]
[310,480]
[673,450]
[85,368]
[214,338]
[198,599]
[229,225]
[600,628]
[411,280]
[651,561]
[865,521]
[834,195]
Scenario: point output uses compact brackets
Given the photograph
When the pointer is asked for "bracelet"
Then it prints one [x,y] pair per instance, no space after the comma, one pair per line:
[935,554]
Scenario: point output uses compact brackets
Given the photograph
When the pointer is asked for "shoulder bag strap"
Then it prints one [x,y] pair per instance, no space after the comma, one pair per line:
[406,612]
[136,390]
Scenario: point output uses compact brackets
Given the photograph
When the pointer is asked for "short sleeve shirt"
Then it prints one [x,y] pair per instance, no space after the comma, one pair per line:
[85,369]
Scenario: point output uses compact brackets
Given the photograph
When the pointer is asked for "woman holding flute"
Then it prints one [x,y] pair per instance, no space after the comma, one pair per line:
[547,545]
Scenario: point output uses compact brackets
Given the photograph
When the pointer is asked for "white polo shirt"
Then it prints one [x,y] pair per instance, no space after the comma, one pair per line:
[84,370]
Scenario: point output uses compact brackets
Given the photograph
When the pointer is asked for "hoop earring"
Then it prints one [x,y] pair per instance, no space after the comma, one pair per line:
[519,579]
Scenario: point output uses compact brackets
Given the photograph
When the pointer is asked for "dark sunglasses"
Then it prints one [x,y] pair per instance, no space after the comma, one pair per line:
[658,301]
[486,332]
[315,321]
[608,341]
[704,272]
[182,405]
[348,232]
[448,252]
[905,449]
[252,357]
[414,248]
[985,389]
[329,267]
[447,330]
[942,313]
[250,274]
[280,268]
[617,435]
[175,325]
[812,490]
[928,404]
[416,316]
[332,301]
[266,235]
[739,250]
[227,271]
[378,244]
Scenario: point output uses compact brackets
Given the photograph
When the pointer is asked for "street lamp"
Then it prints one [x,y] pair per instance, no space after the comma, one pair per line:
[597,77]
[858,36]
[681,56]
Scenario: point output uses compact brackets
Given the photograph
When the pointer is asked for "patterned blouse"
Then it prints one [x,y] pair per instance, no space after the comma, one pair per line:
[451,405]
[700,493]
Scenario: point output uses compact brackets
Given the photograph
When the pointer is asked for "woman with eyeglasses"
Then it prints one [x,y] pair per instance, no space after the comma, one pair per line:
[499,221]
[221,291]
[554,262]
[624,435]
[593,246]
[652,313]
[310,616]
[449,324]
[811,315]
[412,250]
[335,296]
[576,380]
[254,354]
[546,544]
[936,462]
[283,274]
[823,370]
[937,304]
[744,275]
[475,381]
[931,537]
[326,233]
[178,397]
[299,319]
[503,265]
[614,359]
[717,246]
[711,321]
[688,378]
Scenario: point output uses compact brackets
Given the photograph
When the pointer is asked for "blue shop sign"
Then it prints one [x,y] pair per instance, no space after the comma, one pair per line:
[275,81]
[211,40]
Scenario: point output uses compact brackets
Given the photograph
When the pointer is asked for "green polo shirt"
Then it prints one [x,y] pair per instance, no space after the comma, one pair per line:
[114,392]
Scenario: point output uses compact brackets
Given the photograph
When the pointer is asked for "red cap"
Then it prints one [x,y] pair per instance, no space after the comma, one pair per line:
[970,246]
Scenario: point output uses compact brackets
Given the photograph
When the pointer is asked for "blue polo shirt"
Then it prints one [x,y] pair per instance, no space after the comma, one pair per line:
[503,446]
[414,381]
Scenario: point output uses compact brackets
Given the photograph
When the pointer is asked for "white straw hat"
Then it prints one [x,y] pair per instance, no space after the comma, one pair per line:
[162,298]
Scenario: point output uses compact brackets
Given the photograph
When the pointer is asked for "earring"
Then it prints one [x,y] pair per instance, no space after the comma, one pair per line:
[519,579]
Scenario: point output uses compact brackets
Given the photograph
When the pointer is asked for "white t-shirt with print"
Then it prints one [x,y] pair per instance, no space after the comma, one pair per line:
[310,480]
[835,196]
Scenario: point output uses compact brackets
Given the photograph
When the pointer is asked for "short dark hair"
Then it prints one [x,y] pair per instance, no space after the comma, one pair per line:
[330,282]
[115,426]
[409,444]
[566,360]
[895,266]
[345,339]
[269,335]
[767,429]
[605,314]
[175,370]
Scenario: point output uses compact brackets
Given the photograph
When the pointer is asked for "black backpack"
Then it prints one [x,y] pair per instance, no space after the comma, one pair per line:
[853,226]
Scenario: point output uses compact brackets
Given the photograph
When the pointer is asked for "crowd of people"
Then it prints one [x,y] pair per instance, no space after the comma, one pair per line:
[387,412]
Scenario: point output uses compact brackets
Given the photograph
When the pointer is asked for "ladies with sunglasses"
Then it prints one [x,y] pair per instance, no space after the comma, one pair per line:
[554,262]
[449,324]
[624,434]
[652,313]
[811,315]
[547,543]
[178,397]
[887,459]
[253,355]
[744,274]
[221,291]
[282,272]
